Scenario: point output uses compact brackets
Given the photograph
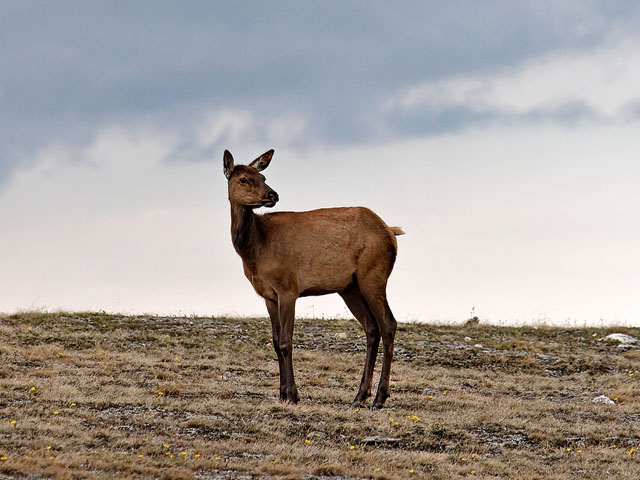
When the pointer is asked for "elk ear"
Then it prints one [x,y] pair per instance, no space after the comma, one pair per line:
[228,164]
[262,161]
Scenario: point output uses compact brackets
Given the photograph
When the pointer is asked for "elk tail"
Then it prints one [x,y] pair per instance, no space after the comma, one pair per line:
[397,231]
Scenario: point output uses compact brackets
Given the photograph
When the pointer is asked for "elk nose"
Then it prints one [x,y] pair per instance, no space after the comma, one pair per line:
[273,195]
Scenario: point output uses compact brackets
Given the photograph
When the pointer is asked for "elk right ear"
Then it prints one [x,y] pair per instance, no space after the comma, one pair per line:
[228,164]
[262,161]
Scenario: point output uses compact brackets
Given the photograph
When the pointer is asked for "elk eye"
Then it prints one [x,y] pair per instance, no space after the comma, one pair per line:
[244,180]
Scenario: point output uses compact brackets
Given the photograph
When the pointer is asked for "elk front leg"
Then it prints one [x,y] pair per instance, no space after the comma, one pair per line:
[272,308]
[286,310]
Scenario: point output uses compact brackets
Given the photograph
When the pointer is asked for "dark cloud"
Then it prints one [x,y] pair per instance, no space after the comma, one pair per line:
[68,68]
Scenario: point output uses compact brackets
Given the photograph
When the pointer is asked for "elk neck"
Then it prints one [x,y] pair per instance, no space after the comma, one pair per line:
[246,233]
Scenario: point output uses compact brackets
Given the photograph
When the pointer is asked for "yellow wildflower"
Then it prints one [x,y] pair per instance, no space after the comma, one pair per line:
[351,447]
[197,455]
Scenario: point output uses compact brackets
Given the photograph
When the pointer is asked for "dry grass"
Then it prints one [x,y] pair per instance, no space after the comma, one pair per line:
[103,396]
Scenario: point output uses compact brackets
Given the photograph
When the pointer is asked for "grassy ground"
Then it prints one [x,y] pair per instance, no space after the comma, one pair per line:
[103,396]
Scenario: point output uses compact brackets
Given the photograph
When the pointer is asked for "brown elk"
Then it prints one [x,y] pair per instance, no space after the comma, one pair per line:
[286,255]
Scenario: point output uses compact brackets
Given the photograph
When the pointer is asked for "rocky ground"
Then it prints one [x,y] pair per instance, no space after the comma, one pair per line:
[109,396]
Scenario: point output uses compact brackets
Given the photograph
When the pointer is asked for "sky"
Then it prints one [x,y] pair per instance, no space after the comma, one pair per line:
[502,136]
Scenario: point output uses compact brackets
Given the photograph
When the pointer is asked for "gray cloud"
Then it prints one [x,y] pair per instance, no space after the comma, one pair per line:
[71,67]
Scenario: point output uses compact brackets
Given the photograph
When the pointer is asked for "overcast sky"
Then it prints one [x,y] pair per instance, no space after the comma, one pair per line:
[504,137]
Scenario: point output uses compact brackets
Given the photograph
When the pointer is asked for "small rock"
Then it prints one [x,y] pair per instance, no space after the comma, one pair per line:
[478,345]
[378,440]
[621,338]
[603,399]
[467,339]
[317,436]
[341,335]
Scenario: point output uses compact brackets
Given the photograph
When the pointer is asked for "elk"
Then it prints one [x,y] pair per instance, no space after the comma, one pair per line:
[287,255]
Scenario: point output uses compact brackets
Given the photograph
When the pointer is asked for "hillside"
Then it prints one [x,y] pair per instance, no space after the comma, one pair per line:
[90,395]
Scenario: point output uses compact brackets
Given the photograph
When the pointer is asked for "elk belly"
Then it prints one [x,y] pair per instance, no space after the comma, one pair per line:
[327,272]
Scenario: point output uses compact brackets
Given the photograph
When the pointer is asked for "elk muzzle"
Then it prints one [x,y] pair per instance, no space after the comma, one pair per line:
[272,198]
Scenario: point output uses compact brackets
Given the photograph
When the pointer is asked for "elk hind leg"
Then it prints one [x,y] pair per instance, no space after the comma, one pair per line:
[358,307]
[376,299]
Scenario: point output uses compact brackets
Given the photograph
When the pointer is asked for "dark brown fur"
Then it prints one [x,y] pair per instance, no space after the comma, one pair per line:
[286,255]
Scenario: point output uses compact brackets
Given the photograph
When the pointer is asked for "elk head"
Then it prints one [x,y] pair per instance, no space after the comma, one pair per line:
[246,183]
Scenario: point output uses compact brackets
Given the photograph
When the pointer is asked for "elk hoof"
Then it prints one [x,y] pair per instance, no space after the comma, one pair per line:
[292,397]
[379,401]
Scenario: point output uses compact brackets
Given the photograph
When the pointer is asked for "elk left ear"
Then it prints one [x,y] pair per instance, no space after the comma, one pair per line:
[228,164]
[262,161]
